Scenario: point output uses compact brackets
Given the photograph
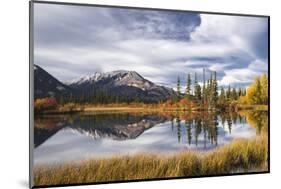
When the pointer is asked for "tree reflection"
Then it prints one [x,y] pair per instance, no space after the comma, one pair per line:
[258,120]
[198,129]
[188,124]
[205,125]
[178,122]
[201,128]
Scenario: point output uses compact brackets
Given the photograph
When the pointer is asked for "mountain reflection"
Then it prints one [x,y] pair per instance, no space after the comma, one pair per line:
[115,126]
[189,128]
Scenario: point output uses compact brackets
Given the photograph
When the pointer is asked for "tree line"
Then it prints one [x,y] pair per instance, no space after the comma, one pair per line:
[198,95]
[207,95]
[97,97]
[257,93]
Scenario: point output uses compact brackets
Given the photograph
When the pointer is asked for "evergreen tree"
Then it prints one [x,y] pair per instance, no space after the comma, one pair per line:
[210,92]
[204,88]
[61,100]
[197,89]
[239,92]
[215,90]
[228,93]
[178,89]
[188,87]
[234,94]
[222,96]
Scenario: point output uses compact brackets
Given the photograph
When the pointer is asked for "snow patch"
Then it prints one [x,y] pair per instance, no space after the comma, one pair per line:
[60,88]
[99,76]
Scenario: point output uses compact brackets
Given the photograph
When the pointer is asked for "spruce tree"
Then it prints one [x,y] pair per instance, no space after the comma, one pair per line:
[178,89]
[228,93]
[204,89]
[234,94]
[239,92]
[207,93]
[188,87]
[197,89]
[211,93]
[258,93]
[215,90]
[222,96]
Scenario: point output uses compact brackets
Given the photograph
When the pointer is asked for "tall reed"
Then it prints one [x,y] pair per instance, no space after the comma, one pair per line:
[239,156]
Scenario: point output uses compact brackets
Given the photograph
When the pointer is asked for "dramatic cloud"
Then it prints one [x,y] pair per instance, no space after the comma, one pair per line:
[72,41]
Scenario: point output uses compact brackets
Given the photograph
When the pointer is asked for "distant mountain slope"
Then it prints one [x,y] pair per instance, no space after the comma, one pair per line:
[45,85]
[123,83]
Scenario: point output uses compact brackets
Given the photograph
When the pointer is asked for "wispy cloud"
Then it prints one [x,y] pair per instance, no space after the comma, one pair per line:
[73,41]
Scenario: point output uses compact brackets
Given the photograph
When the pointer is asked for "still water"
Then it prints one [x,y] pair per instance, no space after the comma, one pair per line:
[65,138]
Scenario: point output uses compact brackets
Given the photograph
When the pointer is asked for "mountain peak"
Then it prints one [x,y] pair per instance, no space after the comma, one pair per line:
[117,75]
[46,85]
[122,83]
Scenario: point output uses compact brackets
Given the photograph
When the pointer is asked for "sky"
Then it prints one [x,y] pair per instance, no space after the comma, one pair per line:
[74,41]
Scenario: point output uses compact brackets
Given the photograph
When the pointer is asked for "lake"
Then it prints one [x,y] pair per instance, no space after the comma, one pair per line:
[64,138]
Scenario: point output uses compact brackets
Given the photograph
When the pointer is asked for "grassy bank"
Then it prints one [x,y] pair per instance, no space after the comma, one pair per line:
[252,107]
[141,107]
[239,156]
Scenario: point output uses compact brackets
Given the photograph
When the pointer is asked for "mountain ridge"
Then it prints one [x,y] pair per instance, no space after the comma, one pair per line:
[47,85]
[119,83]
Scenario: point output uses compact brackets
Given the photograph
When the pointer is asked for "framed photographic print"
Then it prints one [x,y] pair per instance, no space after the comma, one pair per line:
[121,94]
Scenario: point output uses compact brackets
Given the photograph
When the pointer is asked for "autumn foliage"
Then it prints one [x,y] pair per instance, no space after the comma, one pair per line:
[257,93]
[42,104]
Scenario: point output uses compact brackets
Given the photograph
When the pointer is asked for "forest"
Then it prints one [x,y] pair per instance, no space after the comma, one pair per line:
[205,95]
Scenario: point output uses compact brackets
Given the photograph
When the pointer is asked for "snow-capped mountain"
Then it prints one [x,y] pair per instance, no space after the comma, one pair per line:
[116,78]
[122,82]
[45,85]
[119,83]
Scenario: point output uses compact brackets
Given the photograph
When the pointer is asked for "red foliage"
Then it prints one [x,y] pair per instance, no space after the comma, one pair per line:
[50,102]
[42,104]
[184,102]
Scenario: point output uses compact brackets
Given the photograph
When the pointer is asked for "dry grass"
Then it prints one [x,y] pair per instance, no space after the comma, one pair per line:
[252,107]
[240,156]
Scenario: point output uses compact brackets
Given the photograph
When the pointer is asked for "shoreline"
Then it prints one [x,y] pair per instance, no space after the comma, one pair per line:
[241,155]
[128,109]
